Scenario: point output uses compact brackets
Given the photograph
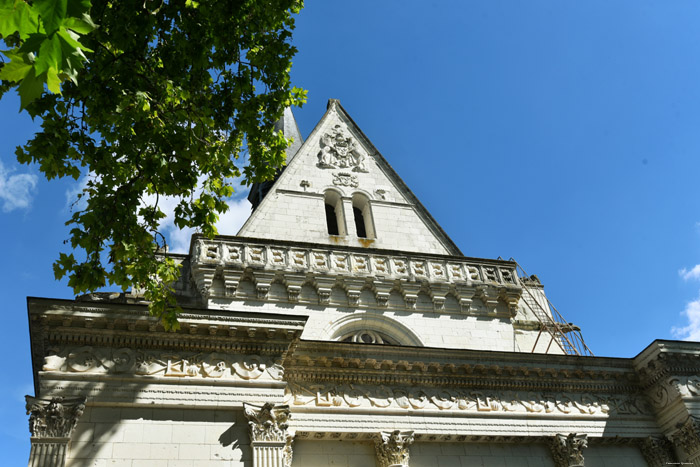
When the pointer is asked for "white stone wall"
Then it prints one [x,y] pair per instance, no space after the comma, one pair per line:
[613,456]
[433,329]
[135,437]
[333,453]
[480,455]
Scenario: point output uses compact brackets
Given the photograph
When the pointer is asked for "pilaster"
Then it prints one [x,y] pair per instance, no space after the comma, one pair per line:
[270,437]
[51,423]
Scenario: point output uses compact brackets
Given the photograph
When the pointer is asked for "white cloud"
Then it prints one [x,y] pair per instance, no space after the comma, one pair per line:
[690,274]
[16,190]
[691,332]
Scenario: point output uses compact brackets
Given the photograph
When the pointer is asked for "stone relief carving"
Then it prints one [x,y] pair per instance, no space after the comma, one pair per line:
[567,451]
[345,179]
[657,452]
[341,151]
[162,363]
[688,435]
[366,396]
[269,424]
[392,448]
[54,418]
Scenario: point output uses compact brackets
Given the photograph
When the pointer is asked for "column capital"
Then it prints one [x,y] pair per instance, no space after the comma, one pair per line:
[55,417]
[392,448]
[567,450]
[270,436]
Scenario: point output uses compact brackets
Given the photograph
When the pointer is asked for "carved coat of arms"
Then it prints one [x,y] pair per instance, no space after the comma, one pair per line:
[341,151]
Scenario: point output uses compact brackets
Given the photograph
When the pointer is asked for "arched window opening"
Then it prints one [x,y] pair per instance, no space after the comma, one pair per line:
[335,221]
[365,336]
[331,220]
[363,216]
[359,222]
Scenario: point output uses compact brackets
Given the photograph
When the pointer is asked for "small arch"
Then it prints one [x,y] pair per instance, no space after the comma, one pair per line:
[335,217]
[356,325]
[362,213]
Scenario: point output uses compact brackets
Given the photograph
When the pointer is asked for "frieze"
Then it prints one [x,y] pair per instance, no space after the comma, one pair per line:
[126,361]
[384,397]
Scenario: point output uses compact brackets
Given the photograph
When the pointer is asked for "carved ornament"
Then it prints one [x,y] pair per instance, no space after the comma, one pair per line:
[338,150]
[392,448]
[688,436]
[567,451]
[345,179]
[657,452]
[474,401]
[225,366]
[54,418]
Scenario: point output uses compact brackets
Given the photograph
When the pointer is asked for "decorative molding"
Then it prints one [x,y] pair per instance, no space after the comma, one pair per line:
[392,448]
[54,418]
[270,436]
[362,397]
[338,150]
[657,452]
[125,361]
[567,450]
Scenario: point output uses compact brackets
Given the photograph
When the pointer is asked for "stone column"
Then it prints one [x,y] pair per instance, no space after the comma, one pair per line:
[270,437]
[51,422]
[567,451]
[392,448]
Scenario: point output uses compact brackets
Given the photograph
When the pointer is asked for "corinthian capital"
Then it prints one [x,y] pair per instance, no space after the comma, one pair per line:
[568,450]
[392,448]
[54,418]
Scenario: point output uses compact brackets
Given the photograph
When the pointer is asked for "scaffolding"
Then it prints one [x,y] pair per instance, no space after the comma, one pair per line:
[562,333]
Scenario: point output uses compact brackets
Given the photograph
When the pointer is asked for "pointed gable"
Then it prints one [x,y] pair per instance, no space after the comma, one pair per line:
[339,190]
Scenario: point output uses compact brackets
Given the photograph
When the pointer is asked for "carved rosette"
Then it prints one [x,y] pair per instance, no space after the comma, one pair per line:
[392,448]
[688,437]
[54,418]
[567,451]
[270,436]
[657,452]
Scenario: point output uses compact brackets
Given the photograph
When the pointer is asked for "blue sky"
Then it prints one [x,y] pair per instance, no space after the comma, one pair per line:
[563,134]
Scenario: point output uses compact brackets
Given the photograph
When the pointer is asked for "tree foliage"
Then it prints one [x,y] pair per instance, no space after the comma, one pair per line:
[150,98]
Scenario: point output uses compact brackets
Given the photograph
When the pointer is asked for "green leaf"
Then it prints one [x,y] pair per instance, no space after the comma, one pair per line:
[53,82]
[18,16]
[29,89]
[83,25]
[71,40]
[15,71]
[52,13]
[50,55]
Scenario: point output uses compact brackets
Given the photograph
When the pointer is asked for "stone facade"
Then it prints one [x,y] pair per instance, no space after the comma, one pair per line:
[343,327]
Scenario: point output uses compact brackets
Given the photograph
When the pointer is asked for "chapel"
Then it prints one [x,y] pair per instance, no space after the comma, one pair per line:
[341,326]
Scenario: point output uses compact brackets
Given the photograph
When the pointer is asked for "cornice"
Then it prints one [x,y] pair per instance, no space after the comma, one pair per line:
[341,363]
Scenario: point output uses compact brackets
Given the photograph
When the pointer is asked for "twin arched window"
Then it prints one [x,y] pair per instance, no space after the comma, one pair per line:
[361,213]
